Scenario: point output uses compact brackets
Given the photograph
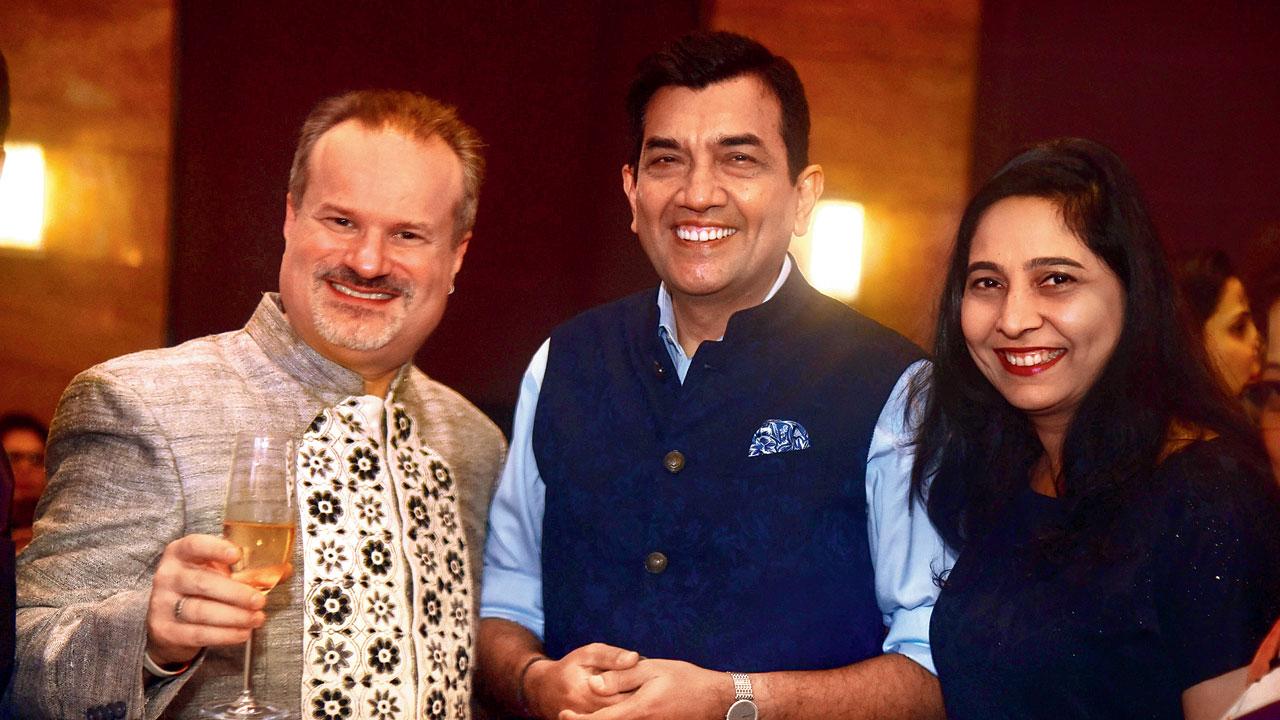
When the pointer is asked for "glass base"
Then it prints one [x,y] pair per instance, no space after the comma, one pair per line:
[246,710]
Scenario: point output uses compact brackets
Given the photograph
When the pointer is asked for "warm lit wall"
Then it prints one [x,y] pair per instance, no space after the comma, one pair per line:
[891,88]
[92,83]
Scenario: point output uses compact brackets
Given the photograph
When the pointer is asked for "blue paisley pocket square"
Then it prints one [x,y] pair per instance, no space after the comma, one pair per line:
[778,436]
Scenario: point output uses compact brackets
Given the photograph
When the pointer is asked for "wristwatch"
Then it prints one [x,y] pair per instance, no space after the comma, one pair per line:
[744,703]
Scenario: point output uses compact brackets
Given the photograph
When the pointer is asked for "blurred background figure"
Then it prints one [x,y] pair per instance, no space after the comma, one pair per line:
[1217,310]
[1263,396]
[7,596]
[23,437]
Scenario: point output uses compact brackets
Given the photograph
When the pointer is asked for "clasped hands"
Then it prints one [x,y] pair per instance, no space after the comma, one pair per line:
[195,603]
[603,682]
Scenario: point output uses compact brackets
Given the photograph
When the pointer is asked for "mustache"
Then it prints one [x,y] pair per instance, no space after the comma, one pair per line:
[381,283]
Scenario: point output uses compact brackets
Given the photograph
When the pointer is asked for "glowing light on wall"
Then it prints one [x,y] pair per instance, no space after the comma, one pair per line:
[22,197]
[830,255]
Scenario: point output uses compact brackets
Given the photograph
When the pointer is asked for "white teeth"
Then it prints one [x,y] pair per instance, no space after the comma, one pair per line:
[695,234]
[1038,357]
[357,294]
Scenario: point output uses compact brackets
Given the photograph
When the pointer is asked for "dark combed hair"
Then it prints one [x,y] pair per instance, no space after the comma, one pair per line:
[980,450]
[1201,278]
[21,421]
[1263,281]
[703,58]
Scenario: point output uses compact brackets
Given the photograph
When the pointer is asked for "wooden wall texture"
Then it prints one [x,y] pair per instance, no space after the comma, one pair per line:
[91,82]
[891,89]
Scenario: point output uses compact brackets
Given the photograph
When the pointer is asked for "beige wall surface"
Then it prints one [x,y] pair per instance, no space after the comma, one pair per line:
[891,89]
[92,83]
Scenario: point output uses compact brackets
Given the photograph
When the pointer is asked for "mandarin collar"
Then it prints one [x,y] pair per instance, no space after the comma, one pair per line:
[774,314]
[271,330]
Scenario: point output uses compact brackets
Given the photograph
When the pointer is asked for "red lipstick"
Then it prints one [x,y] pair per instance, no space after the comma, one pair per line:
[1051,358]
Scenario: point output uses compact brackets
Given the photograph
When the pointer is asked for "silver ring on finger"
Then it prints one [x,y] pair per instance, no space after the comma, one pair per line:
[177,608]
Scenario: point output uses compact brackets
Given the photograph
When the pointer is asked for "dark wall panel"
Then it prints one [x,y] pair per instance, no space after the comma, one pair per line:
[1187,93]
[543,83]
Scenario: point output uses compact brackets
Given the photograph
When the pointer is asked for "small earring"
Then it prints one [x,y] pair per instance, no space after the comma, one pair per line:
[451,288]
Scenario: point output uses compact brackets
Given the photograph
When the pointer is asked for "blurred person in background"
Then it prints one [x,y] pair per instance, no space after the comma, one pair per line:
[23,437]
[6,477]
[1216,310]
[1263,396]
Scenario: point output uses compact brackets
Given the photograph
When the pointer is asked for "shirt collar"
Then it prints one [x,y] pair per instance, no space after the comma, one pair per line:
[667,319]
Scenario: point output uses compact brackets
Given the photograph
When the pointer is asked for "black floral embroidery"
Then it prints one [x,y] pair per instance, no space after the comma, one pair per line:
[324,507]
[353,423]
[436,655]
[363,463]
[378,608]
[426,557]
[419,512]
[331,705]
[404,425]
[432,607]
[316,423]
[384,656]
[330,556]
[377,557]
[332,605]
[448,518]
[333,656]
[383,705]
[408,466]
[460,707]
[460,612]
[369,510]
[441,473]
[316,462]
[462,662]
[437,705]
[453,561]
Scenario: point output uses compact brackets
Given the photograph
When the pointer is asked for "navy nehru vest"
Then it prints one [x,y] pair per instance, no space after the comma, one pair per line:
[764,560]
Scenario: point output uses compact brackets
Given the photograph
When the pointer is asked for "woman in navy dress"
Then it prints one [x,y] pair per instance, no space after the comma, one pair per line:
[1112,510]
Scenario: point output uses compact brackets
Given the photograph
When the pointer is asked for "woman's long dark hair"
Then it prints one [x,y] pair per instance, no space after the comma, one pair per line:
[979,450]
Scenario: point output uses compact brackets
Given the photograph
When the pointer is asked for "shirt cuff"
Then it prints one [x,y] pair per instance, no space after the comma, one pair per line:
[909,635]
[155,670]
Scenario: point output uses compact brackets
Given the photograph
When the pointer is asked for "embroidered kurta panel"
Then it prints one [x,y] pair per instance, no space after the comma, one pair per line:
[388,617]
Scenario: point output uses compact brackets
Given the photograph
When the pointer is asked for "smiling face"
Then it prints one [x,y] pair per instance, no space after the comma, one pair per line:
[711,198]
[1041,314]
[1231,339]
[370,249]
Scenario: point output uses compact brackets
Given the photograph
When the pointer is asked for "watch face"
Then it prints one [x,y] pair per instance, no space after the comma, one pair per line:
[741,710]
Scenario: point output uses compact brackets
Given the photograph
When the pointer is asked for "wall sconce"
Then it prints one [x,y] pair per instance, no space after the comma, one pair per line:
[830,254]
[22,186]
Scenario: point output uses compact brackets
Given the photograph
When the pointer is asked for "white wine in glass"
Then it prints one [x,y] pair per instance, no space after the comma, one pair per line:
[260,518]
[264,551]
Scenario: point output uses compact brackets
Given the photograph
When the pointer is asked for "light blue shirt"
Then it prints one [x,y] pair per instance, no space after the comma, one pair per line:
[906,552]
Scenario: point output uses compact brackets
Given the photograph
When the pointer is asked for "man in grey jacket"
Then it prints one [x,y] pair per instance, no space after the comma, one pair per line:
[126,604]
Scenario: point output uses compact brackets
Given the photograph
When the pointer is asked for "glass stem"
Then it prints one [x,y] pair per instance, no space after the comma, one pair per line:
[246,697]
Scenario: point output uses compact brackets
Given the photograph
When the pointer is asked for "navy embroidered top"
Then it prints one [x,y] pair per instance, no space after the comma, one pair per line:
[784,349]
[1189,599]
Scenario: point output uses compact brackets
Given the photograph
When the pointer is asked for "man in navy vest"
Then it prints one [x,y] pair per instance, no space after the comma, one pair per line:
[705,508]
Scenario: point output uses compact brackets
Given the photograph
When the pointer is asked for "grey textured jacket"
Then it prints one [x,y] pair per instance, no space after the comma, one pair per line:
[138,457]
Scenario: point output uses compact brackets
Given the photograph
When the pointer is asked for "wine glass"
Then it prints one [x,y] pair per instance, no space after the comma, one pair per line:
[260,518]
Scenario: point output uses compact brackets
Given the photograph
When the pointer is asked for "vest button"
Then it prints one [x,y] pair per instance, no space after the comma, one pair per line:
[655,563]
[658,370]
[673,461]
